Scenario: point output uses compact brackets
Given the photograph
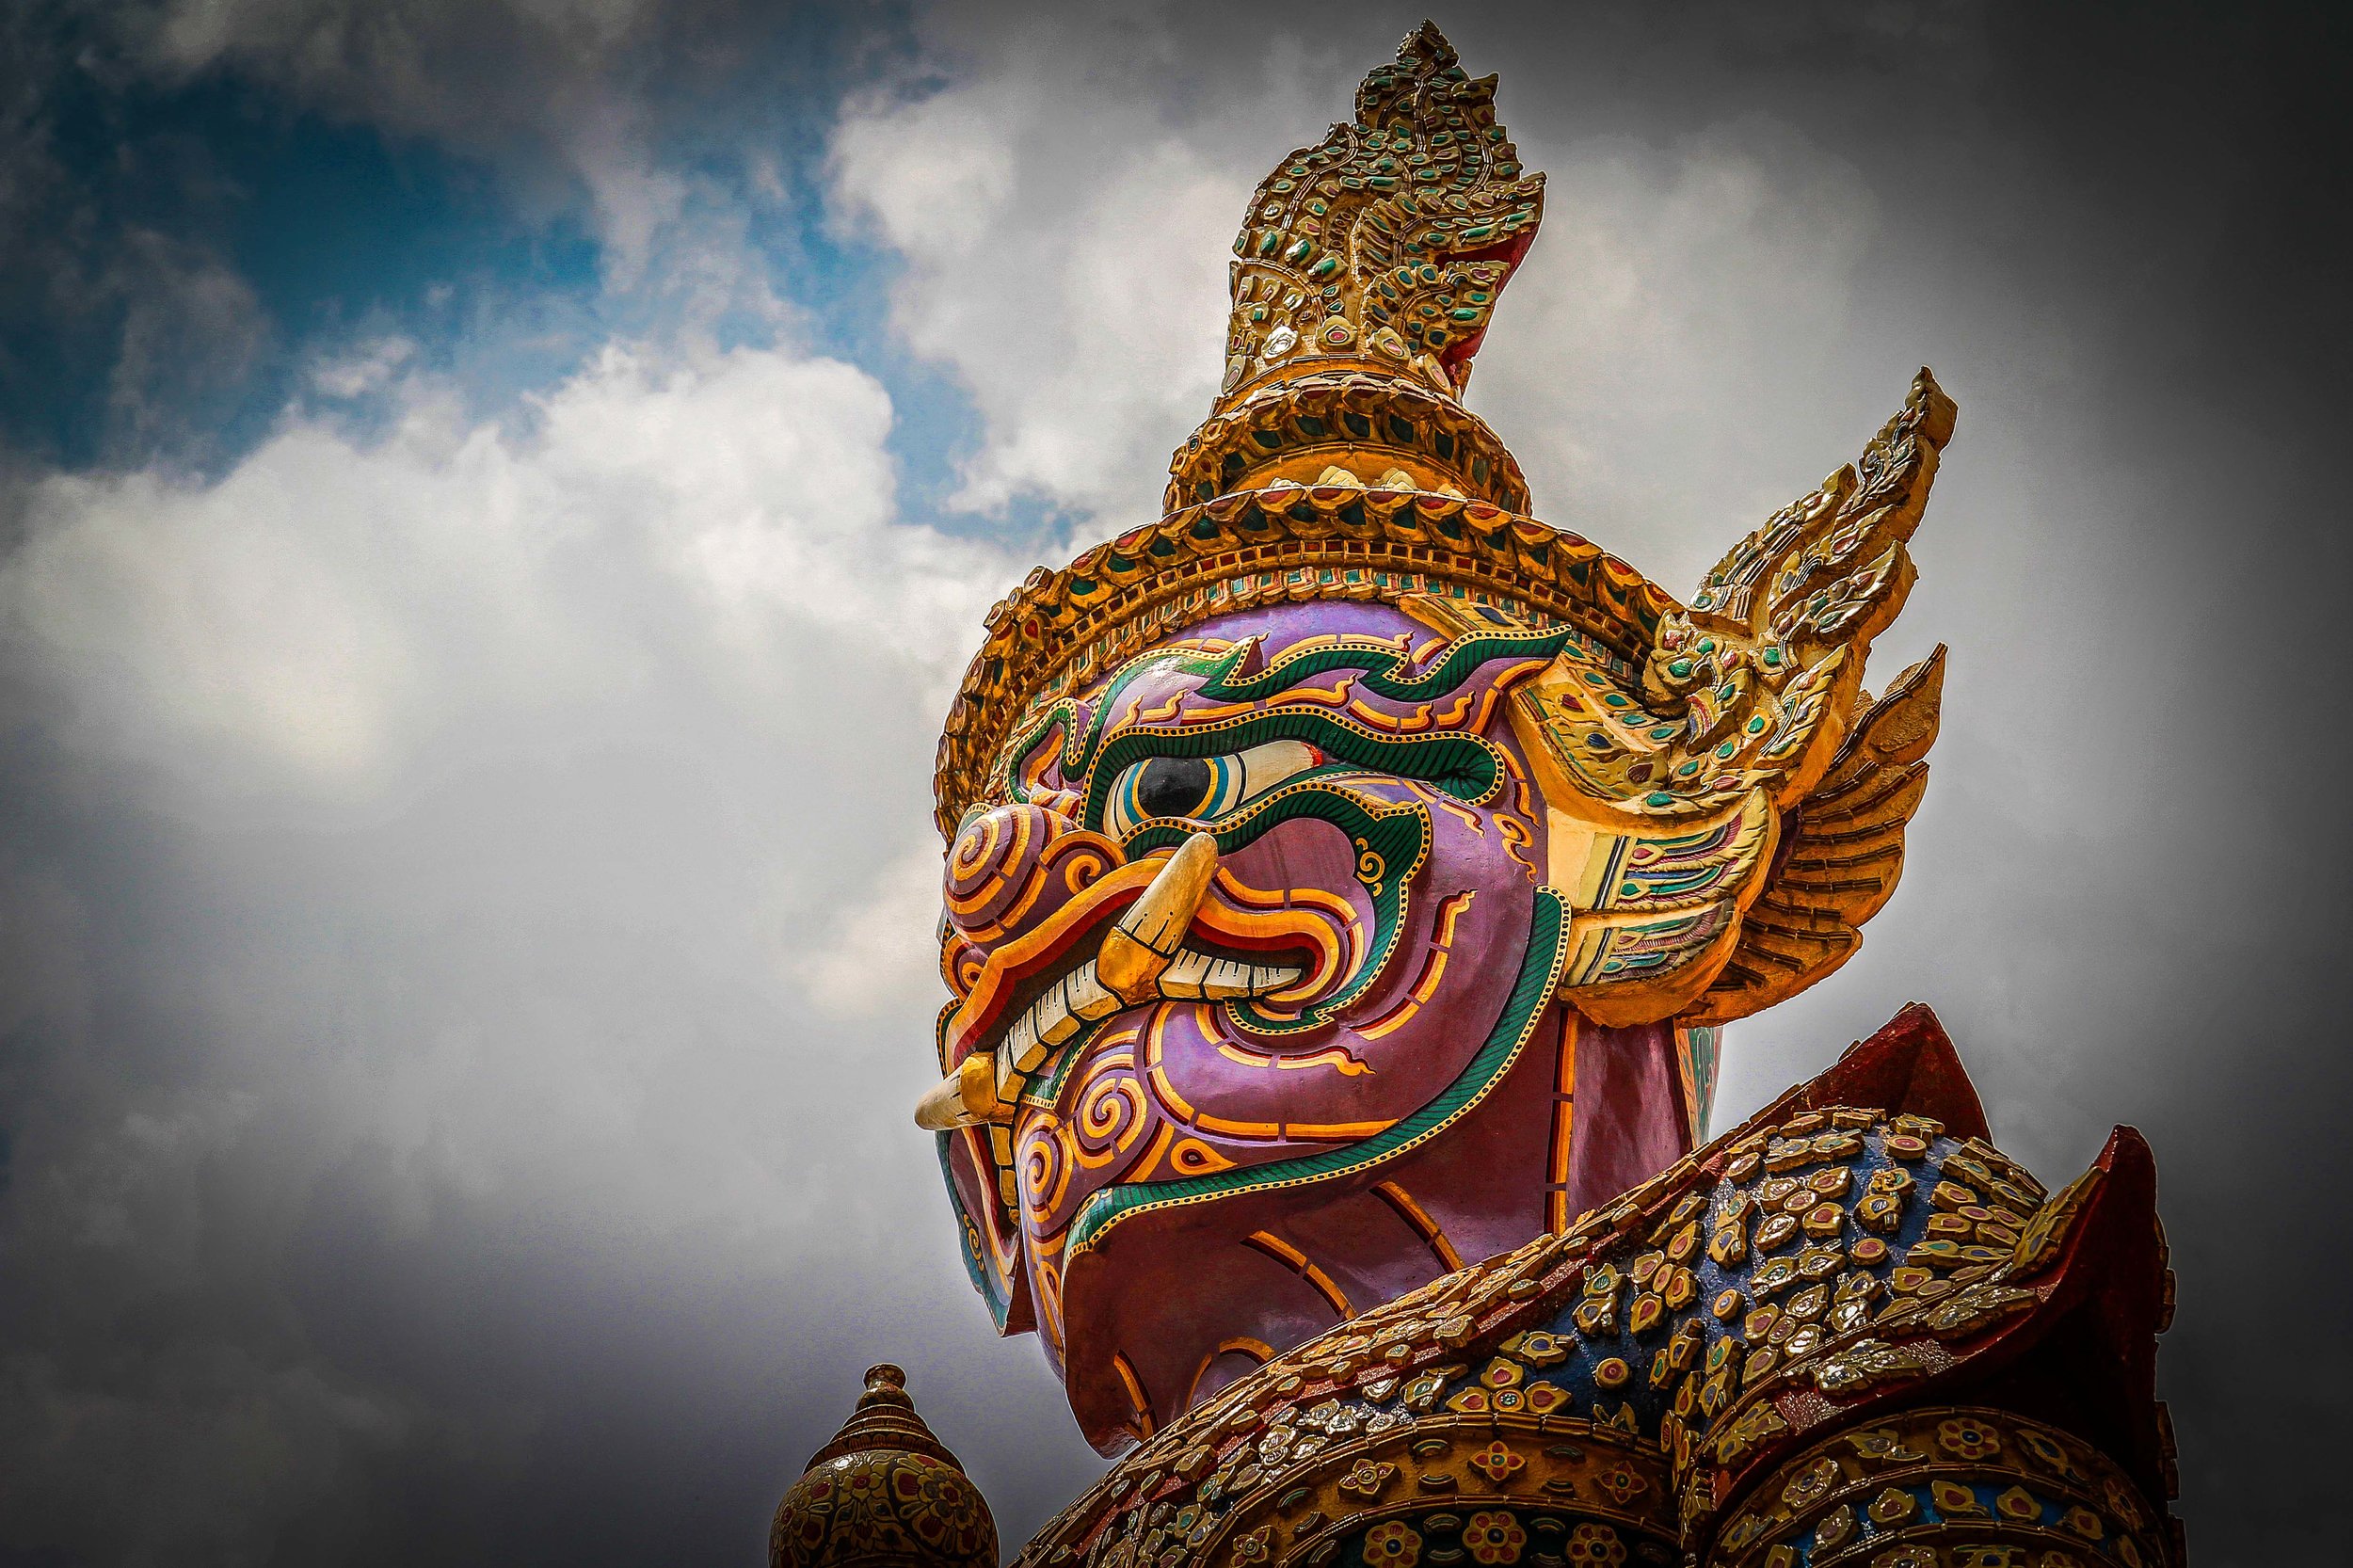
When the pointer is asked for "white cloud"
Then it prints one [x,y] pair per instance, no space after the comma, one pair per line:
[666,563]
[526,829]
[1640,363]
[884,950]
[326,599]
[660,554]
[1072,283]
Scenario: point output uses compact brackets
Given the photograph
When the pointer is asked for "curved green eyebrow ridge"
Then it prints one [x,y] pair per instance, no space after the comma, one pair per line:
[1386,666]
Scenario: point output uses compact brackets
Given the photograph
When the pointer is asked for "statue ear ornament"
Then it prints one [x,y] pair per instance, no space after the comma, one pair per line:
[1349,880]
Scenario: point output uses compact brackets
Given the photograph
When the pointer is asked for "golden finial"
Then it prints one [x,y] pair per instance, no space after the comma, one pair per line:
[1366,272]
[1387,246]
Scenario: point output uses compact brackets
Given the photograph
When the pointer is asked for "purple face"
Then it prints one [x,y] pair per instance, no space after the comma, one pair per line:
[1283,952]
[1290,1115]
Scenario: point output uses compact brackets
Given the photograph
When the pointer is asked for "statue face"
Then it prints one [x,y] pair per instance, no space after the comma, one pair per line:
[1219,1159]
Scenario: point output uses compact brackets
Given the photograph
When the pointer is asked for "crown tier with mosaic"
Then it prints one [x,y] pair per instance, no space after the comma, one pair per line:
[1350,879]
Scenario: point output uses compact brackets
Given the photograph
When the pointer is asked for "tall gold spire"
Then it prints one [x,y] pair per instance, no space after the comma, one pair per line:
[1387,246]
[1367,270]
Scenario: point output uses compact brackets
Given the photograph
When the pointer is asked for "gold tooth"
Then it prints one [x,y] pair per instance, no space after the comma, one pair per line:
[965,1098]
[1021,1047]
[1225,979]
[1089,997]
[984,1087]
[1185,975]
[1136,949]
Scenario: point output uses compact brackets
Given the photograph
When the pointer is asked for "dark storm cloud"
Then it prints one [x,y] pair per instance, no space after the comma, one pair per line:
[465,884]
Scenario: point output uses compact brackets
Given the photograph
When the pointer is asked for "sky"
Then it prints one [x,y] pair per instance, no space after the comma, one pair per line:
[495,496]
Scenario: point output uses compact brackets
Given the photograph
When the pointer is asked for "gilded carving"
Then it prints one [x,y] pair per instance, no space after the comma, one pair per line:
[1348,878]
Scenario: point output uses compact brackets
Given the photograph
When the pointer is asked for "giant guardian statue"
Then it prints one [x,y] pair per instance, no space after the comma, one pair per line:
[1349,879]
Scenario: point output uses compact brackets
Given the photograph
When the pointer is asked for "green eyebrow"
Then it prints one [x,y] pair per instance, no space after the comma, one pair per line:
[1384,667]
[1079,743]
[1384,663]
[1465,766]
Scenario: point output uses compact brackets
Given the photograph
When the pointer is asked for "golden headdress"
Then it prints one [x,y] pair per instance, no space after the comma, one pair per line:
[1727,751]
[1366,271]
[1338,461]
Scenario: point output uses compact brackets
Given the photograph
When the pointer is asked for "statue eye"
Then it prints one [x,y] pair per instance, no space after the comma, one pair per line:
[1175,786]
[1202,788]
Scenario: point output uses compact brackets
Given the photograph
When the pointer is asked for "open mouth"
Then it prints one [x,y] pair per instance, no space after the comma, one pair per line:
[1031,1005]
[1079,999]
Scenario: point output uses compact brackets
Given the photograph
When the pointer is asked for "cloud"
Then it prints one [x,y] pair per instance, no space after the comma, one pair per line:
[1077,301]
[886,950]
[323,603]
[516,83]
[151,334]
[365,368]
[485,800]
[1675,286]
[191,333]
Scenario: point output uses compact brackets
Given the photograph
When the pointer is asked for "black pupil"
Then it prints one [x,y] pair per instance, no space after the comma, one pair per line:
[1173,786]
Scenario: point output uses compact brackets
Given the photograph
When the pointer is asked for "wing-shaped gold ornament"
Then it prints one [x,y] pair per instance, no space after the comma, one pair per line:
[1842,849]
[1669,790]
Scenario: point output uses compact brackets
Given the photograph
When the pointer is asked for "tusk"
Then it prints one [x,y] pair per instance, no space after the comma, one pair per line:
[1134,954]
[1147,937]
[964,1099]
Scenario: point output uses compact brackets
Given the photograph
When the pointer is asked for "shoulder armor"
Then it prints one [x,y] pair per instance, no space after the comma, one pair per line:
[1857,1247]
